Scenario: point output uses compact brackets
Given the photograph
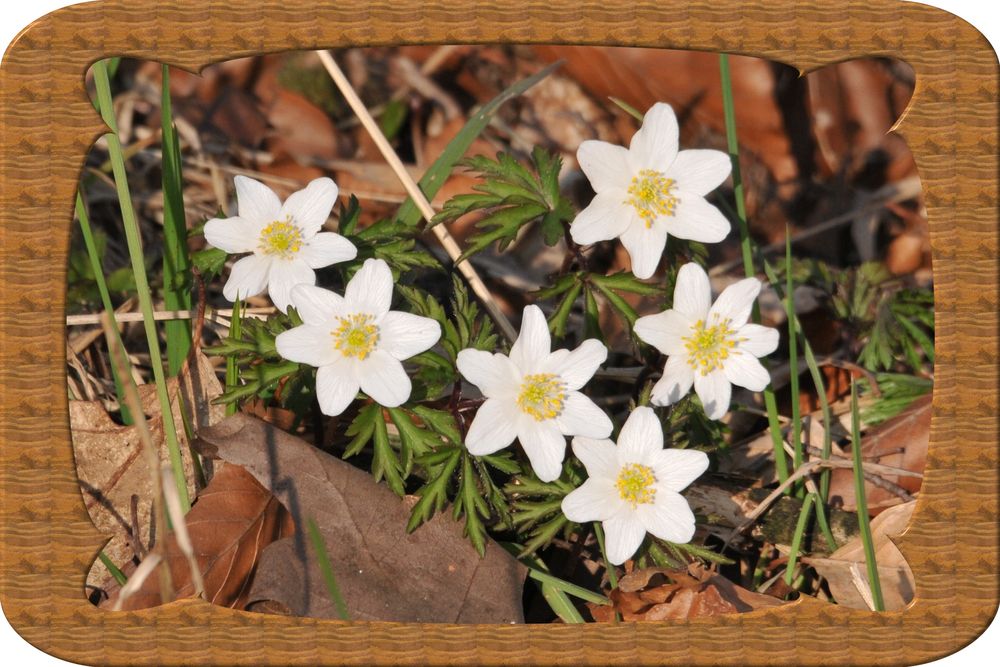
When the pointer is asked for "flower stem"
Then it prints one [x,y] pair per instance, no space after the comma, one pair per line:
[862,504]
[134,242]
[780,462]
[232,368]
[612,572]
[323,559]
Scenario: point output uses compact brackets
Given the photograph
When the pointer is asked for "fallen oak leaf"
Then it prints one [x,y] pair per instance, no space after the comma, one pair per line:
[433,574]
[231,522]
[843,567]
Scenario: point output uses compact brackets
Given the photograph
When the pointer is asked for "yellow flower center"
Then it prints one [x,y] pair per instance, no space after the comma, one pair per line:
[542,396]
[651,194]
[281,238]
[636,484]
[356,336]
[708,347]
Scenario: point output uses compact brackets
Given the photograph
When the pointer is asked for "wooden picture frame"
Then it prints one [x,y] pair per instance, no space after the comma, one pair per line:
[47,124]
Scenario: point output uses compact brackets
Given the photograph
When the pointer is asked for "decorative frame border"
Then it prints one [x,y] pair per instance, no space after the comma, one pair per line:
[47,125]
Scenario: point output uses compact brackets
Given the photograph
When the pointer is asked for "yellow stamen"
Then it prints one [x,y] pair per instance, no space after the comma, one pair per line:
[636,484]
[356,336]
[281,238]
[542,396]
[709,346]
[651,194]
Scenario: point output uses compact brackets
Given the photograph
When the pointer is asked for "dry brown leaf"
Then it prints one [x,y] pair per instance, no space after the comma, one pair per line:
[900,442]
[111,469]
[232,521]
[431,575]
[659,594]
[845,570]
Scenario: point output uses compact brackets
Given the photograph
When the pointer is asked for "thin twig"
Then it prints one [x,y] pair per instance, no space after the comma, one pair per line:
[180,530]
[442,234]
[137,579]
[211,315]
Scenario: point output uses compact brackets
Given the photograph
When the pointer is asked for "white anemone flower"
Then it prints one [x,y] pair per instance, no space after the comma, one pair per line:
[650,190]
[355,341]
[633,488]
[284,238]
[533,395]
[709,345]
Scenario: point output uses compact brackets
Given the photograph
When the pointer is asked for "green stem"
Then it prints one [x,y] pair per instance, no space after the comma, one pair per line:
[862,503]
[134,242]
[118,575]
[612,572]
[800,529]
[780,462]
[102,287]
[232,368]
[793,361]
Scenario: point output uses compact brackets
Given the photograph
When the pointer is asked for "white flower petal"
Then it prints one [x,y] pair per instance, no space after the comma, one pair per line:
[370,290]
[715,391]
[308,344]
[623,535]
[692,292]
[605,218]
[310,207]
[577,367]
[654,146]
[327,248]
[532,346]
[675,469]
[757,340]
[645,247]
[404,334]
[592,501]
[336,387]
[286,274]
[599,457]
[697,220]
[544,445]
[256,202]
[493,428]
[675,383]
[316,305]
[494,374]
[383,378]
[232,235]
[668,517]
[641,436]
[699,171]
[745,371]
[248,277]
[606,165]
[581,417]
[665,331]
[736,302]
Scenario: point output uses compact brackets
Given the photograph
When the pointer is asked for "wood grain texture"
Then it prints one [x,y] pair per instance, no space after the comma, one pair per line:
[47,125]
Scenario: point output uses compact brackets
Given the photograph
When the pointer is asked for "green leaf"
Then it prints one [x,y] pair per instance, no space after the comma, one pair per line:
[392,118]
[509,198]
[209,262]
[438,172]
[557,323]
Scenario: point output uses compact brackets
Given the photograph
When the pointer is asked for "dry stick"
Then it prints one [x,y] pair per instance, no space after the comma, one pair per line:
[803,471]
[180,529]
[212,315]
[120,361]
[442,234]
[137,579]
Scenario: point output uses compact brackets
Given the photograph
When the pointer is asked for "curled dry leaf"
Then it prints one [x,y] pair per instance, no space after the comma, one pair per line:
[232,521]
[845,570]
[431,575]
[660,594]
[110,466]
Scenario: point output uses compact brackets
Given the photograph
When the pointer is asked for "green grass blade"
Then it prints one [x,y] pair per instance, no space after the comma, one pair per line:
[118,575]
[176,260]
[560,603]
[102,288]
[793,358]
[800,529]
[862,503]
[134,242]
[732,141]
[323,560]
[438,172]
[232,368]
